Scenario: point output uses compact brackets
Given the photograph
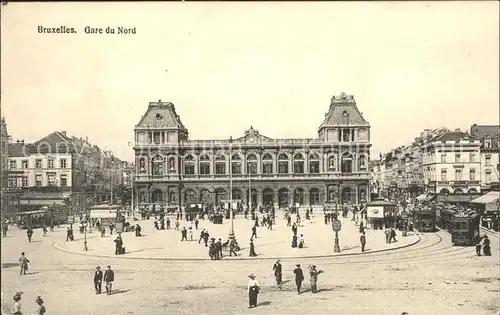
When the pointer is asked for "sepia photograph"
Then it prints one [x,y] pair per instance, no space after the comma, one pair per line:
[250,158]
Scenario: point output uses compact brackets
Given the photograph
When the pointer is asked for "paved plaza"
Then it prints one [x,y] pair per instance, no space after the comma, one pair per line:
[429,277]
[270,244]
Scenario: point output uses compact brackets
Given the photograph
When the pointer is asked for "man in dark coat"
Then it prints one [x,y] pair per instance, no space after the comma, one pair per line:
[109,277]
[30,234]
[278,272]
[254,232]
[218,248]
[362,240]
[98,280]
[184,233]
[299,277]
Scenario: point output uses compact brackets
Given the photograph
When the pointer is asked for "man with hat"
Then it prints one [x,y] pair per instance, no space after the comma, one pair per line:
[98,280]
[16,310]
[299,277]
[278,272]
[41,309]
[109,277]
[253,291]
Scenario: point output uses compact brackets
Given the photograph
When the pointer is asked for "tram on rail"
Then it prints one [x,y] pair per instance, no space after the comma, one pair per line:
[426,220]
[462,225]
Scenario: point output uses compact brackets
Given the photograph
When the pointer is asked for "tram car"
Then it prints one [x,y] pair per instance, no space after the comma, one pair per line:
[426,220]
[466,229]
[444,218]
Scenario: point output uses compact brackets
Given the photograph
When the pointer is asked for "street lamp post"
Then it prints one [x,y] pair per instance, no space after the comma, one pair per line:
[231,231]
[336,226]
[85,224]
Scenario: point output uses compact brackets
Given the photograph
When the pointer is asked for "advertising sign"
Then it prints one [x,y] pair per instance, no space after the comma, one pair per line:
[119,227]
[336,225]
[375,212]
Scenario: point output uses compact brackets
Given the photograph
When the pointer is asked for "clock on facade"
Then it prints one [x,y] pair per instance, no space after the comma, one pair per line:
[251,139]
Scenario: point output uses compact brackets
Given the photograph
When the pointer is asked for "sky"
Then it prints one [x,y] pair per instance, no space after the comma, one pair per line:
[229,66]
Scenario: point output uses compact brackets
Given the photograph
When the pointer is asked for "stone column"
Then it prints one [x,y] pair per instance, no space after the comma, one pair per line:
[196,164]
[259,198]
[357,194]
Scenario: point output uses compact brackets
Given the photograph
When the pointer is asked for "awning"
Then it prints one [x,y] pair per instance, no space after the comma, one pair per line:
[455,198]
[425,197]
[490,197]
[42,202]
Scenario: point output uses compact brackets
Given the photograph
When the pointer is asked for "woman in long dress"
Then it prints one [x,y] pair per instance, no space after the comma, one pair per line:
[253,291]
[294,241]
[252,250]
[313,273]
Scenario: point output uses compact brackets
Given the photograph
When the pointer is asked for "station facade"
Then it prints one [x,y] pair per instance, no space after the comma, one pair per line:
[172,170]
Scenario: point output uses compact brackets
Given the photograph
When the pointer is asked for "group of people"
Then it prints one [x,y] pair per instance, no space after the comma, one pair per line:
[254,287]
[16,309]
[484,244]
[108,277]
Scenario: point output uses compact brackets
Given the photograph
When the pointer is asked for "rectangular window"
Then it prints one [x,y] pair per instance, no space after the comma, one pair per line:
[157,137]
[24,164]
[204,168]
[50,163]
[38,180]
[488,160]
[458,175]
[12,182]
[444,176]
[298,167]
[472,157]
[443,158]
[51,179]
[13,163]
[267,168]
[63,163]
[283,167]
[236,168]
[314,167]
[25,181]
[38,163]
[252,167]
[64,180]
[346,135]
[488,178]
[189,169]
[472,174]
[457,158]
[220,168]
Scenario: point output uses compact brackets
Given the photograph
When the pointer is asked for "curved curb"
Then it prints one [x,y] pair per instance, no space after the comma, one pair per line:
[56,246]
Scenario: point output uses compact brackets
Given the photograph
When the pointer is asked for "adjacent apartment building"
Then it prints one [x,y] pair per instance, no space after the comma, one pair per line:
[172,169]
[490,150]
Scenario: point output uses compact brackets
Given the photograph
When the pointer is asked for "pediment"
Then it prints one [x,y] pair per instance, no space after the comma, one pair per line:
[252,135]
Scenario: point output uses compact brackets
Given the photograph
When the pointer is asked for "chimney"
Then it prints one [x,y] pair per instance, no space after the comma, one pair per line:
[457,130]
[86,139]
[22,141]
[17,141]
[64,133]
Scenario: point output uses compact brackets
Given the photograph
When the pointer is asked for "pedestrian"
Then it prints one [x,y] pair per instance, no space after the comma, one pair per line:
[103,231]
[41,309]
[44,230]
[299,277]
[16,309]
[109,278]
[362,240]
[29,233]
[393,236]
[478,246]
[52,226]
[218,247]
[253,291]
[302,242]
[232,247]
[23,260]
[184,234]
[98,280]
[202,236]
[294,228]
[196,222]
[387,236]
[252,250]
[294,241]
[118,246]
[168,223]
[278,273]
[190,233]
[177,225]
[313,273]
[111,226]
[486,246]
[254,232]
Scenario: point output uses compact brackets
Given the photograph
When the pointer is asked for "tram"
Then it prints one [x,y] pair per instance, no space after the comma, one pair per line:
[426,220]
[444,219]
[466,229]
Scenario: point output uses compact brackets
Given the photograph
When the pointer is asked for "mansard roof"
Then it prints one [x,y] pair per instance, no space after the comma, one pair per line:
[55,142]
[343,110]
[454,136]
[485,131]
[161,115]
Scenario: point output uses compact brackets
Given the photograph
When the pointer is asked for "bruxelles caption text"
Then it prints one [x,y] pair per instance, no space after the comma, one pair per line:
[87,30]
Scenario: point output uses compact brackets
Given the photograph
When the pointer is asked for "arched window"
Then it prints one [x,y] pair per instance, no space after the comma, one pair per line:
[158,165]
[298,163]
[458,191]
[346,161]
[189,165]
[252,164]
[314,196]
[236,157]
[251,157]
[220,158]
[283,164]
[220,165]
[190,196]
[313,163]
[157,196]
[189,158]
[298,196]
[267,164]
